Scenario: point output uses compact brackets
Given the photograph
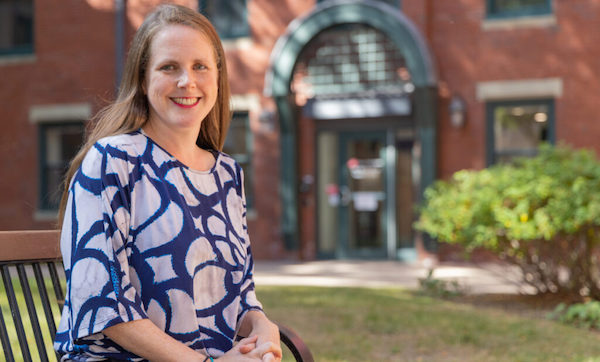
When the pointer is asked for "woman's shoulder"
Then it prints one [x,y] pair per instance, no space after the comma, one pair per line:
[113,150]
[126,142]
[230,169]
[227,161]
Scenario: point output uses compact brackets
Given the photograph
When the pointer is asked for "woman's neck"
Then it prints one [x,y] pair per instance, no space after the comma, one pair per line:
[181,145]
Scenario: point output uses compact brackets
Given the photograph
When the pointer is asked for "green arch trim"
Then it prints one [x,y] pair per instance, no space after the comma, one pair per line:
[379,15]
[419,61]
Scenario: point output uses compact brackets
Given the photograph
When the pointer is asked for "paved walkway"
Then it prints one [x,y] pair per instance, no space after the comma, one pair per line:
[481,278]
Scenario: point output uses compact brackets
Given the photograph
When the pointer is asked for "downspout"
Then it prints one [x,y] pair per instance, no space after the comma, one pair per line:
[119,41]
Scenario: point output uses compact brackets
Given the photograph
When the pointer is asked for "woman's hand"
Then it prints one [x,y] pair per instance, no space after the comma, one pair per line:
[268,336]
[246,350]
[267,333]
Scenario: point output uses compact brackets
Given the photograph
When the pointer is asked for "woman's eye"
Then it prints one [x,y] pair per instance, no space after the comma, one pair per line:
[200,66]
[167,67]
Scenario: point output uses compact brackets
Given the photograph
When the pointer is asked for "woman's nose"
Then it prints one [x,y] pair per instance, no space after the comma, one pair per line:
[186,79]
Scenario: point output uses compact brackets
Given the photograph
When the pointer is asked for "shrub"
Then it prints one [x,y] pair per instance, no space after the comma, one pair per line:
[585,315]
[540,213]
[438,288]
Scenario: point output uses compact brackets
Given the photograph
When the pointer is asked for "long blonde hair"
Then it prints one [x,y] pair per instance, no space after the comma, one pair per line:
[129,111]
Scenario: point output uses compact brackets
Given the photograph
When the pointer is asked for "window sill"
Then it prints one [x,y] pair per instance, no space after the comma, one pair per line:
[237,43]
[251,214]
[17,59]
[539,21]
[45,215]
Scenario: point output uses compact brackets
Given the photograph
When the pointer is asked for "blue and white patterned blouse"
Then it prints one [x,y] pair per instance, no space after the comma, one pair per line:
[145,236]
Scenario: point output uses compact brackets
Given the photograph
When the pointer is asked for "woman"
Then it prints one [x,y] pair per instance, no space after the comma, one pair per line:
[154,236]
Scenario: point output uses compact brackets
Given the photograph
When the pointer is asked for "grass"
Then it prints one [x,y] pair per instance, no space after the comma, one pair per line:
[355,324]
[358,324]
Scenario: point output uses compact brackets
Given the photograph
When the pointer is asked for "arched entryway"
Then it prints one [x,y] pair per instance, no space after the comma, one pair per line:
[355,126]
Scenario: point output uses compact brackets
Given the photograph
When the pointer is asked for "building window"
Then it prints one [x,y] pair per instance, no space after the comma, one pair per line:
[517,128]
[16,27]
[516,8]
[351,59]
[59,142]
[239,145]
[230,17]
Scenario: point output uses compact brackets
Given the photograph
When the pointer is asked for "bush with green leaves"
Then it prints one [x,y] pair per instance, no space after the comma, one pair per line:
[585,315]
[439,288]
[540,213]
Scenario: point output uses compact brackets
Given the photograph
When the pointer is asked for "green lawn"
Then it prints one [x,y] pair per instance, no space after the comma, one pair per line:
[354,324]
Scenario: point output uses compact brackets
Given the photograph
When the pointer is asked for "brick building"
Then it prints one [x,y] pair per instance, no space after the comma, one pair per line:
[345,110]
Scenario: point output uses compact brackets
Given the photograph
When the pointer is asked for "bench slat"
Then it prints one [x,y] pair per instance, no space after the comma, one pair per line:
[39,278]
[33,317]
[58,290]
[8,353]
[16,313]
[29,245]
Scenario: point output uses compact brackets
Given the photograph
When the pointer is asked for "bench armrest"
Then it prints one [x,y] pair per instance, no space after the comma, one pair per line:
[295,344]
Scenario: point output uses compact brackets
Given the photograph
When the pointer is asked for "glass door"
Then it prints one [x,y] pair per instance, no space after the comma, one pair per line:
[352,194]
[362,191]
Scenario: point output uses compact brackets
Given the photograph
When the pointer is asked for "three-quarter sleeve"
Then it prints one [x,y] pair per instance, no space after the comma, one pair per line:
[94,245]
[249,301]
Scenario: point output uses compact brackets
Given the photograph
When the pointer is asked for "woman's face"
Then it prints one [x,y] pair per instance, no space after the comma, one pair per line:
[181,80]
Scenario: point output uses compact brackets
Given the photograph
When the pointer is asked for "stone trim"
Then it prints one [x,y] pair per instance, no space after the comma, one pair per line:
[45,215]
[519,89]
[73,112]
[243,43]
[245,102]
[543,21]
[17,59]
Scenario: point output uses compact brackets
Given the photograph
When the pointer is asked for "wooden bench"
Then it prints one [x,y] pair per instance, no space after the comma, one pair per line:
[33,291]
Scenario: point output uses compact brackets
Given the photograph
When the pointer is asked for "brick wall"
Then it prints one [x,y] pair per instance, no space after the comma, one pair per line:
[247,63]
[74,63]
[466,54]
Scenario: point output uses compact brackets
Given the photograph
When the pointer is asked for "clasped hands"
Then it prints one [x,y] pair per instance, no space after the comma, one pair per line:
[250,349]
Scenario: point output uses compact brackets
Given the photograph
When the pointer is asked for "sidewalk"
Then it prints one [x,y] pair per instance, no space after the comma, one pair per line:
[476,279]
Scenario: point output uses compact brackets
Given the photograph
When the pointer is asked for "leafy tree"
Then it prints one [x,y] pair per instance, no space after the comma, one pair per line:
[540,213]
